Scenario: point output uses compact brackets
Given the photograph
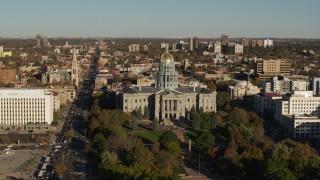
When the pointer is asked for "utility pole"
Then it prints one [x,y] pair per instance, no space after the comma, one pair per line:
[199,163]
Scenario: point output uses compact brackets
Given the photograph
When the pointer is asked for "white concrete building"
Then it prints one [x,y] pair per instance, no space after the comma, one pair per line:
[217,47]
[20,107]
[238,49]
[57,50]
[302,126]
[284,86]
[267,43]
[299,113]
[299,85]
[241,89]
[74,51]
[23,56]
[299,103]
[164,45]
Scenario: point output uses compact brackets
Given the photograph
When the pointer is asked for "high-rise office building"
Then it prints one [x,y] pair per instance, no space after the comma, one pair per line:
[45,41]
[224,39]
[245,41]
[193,43]
[190,44]
[38,39]
[267,43]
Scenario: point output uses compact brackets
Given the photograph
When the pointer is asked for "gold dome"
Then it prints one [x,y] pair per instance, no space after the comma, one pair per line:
[166,57]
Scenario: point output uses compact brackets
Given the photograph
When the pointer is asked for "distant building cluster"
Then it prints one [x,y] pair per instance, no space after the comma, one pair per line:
[42,41]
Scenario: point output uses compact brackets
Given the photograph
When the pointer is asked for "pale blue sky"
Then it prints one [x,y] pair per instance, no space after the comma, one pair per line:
[161,18]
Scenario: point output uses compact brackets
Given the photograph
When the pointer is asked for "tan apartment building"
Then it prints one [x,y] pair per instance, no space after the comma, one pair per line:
[245,41]
[7,75]
[266,69]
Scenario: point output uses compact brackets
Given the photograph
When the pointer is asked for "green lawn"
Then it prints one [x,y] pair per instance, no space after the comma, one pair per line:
[129,129]
[146,135]
[149,136]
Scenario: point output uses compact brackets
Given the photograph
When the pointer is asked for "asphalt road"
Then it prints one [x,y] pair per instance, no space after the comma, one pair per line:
[72,150]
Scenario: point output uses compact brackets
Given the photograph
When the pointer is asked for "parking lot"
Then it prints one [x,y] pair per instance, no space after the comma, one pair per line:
[20,165]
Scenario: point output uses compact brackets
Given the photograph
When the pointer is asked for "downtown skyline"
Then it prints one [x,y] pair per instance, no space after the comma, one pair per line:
[165,19]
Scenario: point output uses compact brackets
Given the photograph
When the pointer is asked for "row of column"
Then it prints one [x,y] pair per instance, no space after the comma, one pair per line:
[170,105]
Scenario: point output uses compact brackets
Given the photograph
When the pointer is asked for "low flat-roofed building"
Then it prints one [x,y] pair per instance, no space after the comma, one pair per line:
[145,82]
[208,76]
[140,68]
[102,80]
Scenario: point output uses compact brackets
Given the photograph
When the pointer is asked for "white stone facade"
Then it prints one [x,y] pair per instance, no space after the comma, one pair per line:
[22,106]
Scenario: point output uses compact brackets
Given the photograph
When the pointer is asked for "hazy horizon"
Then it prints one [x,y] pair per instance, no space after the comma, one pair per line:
[161,19]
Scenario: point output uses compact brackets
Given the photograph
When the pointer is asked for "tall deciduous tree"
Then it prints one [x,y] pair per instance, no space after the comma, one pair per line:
[167,137]
[223,98]
[173,148]
[204,141]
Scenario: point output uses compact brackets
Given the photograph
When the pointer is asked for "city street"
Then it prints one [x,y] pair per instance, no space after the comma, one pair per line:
[72,150]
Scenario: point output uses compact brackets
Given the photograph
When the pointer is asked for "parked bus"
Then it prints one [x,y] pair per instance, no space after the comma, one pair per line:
[47,160]
[41,174]
[44,166]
